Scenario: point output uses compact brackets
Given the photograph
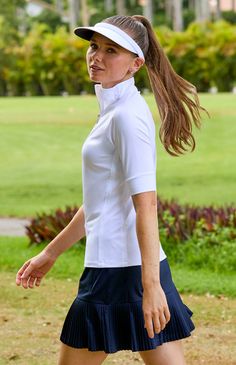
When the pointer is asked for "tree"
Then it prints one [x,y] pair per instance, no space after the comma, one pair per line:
[168,8]
[218,11]
[73,6]
[120,7]
[148,10]
[11,13]
[174,13]
[108,5]
[177,15]
[202,10]
[85,15]
[59,6]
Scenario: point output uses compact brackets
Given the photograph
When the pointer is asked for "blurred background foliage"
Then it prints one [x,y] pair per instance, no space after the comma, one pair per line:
[40,55]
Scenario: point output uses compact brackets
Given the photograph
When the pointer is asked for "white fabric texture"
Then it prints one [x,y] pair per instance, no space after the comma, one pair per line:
[118,161]
[112,32]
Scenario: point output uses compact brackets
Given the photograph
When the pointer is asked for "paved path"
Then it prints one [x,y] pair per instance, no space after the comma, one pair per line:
[13,226]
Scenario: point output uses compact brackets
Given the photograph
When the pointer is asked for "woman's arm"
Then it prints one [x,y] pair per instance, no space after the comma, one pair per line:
[34,269]
[71,234]
[155,308]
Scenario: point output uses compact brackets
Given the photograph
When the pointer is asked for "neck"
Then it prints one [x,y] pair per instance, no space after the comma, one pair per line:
[108,85]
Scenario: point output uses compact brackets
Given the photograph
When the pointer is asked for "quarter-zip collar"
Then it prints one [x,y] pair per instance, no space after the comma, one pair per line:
[108,96]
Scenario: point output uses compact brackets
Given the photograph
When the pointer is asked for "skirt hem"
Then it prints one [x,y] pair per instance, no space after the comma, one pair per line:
[107,313]
[63,340]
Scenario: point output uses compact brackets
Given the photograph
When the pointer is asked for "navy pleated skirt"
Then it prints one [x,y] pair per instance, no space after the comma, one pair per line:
[106,314]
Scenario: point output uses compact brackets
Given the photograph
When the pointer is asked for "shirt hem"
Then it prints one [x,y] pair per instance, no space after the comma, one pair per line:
[126,264]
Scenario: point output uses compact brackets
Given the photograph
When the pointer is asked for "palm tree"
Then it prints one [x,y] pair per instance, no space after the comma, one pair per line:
[59,6]
[120,7]
[168,9]
[85,14]
[218,11]
[148,9]
[177,15]
[202,10]
[73,6]
[108,5]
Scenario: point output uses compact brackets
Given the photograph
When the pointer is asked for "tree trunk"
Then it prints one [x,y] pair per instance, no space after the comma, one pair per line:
[233,3]
[191,5]
[148,10]
[73,13]
[108,5]
[21,16]
[85,13]
[202,10]
[120,7]
[218,10]
[168,8]
[59,7]
[177,15]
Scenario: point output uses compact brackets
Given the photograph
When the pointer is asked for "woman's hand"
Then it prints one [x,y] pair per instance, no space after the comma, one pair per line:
[155,309]
[33,270]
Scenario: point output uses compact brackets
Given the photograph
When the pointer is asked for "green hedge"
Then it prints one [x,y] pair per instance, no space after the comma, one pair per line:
[46,63]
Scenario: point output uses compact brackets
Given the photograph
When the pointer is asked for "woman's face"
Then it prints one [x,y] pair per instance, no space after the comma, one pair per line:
[108,63]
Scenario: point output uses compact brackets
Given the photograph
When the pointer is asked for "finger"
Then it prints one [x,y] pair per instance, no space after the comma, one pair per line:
[156,323]
[31,282]
[38,281]
[162,320]
[167,314]
[20,272]
[149,325]
[26,274]
[25,282]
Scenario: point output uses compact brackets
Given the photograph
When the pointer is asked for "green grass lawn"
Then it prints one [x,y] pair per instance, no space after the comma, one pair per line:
[15,251]
[42,137]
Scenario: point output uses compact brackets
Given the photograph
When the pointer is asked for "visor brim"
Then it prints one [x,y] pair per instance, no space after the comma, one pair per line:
[84,32]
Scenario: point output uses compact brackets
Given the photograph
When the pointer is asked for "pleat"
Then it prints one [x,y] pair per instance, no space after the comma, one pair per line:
[113,324]
[121,327]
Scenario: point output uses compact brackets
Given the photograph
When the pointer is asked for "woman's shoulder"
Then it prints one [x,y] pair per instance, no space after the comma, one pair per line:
[133,112]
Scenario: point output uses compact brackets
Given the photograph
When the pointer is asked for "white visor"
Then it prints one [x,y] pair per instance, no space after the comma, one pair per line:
[112,32]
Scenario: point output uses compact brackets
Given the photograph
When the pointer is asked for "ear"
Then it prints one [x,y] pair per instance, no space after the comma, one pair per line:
[137,64]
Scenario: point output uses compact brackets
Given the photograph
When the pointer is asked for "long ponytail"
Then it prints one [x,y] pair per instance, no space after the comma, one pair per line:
[176,98]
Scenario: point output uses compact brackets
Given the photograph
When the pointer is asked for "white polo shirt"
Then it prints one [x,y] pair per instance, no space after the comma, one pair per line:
[118,161]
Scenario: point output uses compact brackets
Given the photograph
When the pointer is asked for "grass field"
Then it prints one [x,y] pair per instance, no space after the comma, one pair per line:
[41,141]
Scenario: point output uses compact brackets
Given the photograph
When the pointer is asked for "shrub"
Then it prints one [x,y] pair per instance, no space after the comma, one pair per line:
[177,223]
[48,63]
[212,250]
[44,227]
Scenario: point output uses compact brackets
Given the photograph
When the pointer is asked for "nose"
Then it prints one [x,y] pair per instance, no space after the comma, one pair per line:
[97,55]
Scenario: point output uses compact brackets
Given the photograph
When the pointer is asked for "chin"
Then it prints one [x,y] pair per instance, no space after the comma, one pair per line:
[95,79]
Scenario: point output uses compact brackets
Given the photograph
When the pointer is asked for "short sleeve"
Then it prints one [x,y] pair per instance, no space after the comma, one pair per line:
[134,139]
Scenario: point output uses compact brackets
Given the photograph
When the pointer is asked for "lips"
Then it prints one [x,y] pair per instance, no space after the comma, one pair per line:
[96,68]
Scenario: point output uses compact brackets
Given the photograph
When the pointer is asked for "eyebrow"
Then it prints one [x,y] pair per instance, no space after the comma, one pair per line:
[106,43]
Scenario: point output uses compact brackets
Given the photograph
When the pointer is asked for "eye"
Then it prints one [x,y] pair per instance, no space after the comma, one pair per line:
[93,45]
[111,50]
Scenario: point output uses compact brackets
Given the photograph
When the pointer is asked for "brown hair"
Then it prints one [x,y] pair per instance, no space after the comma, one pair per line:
[170,90]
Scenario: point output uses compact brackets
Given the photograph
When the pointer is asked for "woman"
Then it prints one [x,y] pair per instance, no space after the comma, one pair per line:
[126,297]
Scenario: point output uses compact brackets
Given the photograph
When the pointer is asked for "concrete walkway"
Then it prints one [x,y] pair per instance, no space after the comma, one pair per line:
[13,226]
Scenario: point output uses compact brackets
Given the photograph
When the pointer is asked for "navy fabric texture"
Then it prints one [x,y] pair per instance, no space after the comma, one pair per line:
[107,312]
